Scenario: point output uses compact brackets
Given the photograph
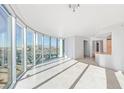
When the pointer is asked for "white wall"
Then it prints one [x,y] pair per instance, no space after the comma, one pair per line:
[117,56]
[69,47]
[118,48]
[74,47]
[79,48]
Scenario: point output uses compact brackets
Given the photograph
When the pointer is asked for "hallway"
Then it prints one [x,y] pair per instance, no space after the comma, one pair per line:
[69,73]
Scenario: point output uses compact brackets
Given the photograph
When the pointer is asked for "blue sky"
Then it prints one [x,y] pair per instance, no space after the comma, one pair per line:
[3,27]
[19,33]
[19,36]
[30,37]
[46,41]
[53,42]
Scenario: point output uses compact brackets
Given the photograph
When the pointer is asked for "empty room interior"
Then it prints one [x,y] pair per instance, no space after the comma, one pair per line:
[61,46]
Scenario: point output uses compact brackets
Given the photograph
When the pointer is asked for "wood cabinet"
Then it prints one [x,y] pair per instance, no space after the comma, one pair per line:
[109,46]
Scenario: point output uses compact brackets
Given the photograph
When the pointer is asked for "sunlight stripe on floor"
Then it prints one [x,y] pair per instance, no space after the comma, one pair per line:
[65,79]
[93,78]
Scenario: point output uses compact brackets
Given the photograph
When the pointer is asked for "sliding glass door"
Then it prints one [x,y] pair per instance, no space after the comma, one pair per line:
[19,50]
[38,48]
[5,49]
[30,48]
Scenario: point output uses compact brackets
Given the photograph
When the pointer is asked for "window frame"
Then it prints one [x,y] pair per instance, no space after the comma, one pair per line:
[10,77]
[18,22]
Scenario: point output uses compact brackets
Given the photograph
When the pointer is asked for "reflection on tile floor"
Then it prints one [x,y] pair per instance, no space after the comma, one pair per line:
[73,74]
[3,76]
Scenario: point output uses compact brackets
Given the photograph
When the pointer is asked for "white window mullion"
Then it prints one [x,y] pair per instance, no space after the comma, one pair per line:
[25,63]
[13,52]
[34,48]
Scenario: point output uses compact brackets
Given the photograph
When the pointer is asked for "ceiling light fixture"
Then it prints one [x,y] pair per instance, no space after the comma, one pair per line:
[74,6]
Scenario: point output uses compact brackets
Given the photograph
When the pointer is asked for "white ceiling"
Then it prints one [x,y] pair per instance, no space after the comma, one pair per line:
[59,20]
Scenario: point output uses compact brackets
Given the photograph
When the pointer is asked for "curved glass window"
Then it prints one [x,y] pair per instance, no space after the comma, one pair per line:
[5,49]
[53,47]
[38,48]
[19,50]
[30,48]
[46,48]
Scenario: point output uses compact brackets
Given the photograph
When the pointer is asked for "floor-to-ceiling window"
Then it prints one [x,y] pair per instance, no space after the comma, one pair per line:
[19,50]
[38,48]
[63,47]
[5,49]
[30,48]
[46,48]
[54,52]
[60,47]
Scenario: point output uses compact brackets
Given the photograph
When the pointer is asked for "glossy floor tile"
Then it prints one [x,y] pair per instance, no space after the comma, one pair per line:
[65,79]
[71,74]
[33,81]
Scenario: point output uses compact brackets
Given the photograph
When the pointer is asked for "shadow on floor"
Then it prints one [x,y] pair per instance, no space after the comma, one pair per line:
[90,61]
[79,77]
[30,75]
[40,84]
[112,82]
[111,79]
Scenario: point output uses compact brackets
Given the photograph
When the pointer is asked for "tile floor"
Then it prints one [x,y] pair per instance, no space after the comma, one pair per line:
[71,74]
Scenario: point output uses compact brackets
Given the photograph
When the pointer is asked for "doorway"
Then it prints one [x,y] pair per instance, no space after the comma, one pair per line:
[86,49]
